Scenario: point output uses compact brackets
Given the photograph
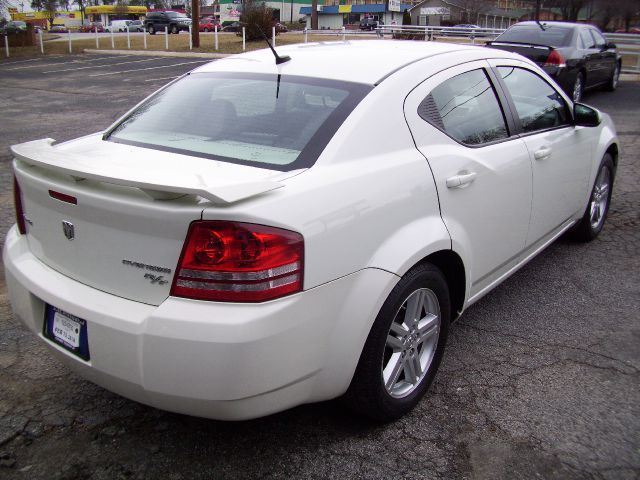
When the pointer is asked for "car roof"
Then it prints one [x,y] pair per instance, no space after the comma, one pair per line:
[361,61]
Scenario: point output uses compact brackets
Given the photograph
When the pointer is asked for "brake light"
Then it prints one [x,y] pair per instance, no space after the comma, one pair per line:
[17,201]
[239,262]
[555,59]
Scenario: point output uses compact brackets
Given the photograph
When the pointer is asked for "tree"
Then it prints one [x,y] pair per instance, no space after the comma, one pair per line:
[37,5]
[406,17]
[257,20]
[50,7]
[569,8]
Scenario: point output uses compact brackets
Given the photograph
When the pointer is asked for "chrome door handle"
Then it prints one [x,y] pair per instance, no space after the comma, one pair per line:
[460,180]
[542,153]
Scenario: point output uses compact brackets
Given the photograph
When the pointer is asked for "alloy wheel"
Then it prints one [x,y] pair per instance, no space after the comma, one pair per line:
[411,343]
[600,198]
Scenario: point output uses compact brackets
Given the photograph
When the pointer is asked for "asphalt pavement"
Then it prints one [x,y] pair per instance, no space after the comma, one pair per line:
[540,378]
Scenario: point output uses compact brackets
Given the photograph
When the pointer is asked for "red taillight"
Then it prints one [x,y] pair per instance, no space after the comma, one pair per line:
[17,201]
[555,59]
[239,262]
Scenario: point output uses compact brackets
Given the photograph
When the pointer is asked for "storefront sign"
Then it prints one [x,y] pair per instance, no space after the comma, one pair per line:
[394,5]
[435,11]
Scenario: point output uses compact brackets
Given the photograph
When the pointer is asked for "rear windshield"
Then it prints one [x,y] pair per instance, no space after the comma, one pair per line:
[551,36]
[281,122]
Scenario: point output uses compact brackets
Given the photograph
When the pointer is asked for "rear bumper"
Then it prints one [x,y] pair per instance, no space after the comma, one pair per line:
[217,360]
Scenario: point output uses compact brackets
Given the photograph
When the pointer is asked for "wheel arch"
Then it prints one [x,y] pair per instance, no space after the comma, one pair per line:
[452,267]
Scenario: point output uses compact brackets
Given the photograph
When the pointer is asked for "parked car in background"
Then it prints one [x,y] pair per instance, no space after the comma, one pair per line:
[118,26]
[13,26]
[242,246]
[464,30]
[208,26]
[58,29]
[634,30]
[92,27]
[173,22]
[369,24]
[136,26]
[232,27]
[576,56]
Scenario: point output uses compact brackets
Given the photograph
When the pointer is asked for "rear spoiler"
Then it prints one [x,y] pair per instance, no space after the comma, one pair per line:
[518,44]
[42,153]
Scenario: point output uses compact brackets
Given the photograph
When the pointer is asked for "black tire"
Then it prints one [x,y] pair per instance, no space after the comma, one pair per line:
[367,394]
[612,84]
[578,87]
[206,30]
[174,29]
[152,31]
[587,229]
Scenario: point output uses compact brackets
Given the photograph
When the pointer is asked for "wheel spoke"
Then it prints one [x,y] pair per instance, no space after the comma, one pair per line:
[415,304]
[399,329]
[593,212]
[394,343]
[392,371]
[412,369]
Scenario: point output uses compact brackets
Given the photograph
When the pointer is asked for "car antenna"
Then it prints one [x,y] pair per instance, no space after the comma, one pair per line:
[279,59]
[541,26]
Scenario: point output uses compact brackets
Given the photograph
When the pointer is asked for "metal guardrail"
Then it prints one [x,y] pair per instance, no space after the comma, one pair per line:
[628,44]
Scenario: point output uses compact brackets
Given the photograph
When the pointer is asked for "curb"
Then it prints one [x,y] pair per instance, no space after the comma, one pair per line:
[156,53]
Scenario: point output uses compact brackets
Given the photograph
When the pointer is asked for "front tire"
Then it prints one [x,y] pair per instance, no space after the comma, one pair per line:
[152,31]
[404,348]
[595,214]
[174,30]
[578,87]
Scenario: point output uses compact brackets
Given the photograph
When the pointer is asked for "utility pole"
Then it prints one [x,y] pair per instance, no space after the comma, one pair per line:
[538,2]
[314,15]
[195,23]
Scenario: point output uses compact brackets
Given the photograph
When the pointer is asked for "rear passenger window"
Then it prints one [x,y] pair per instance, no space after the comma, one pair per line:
[466,108]
[538,105]
[587,39]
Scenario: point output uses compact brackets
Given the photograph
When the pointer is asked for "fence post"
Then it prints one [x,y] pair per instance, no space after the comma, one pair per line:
[6,44]
[97,41]
[69,35]
[344,34]
[111,32]
[273,35]
[144,37]
[305,35]
[166,38]
[190,39]
[128,39]
[215,36]
[41,43]
[244,41]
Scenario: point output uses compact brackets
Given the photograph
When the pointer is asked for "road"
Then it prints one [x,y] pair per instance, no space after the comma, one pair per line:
[540,378]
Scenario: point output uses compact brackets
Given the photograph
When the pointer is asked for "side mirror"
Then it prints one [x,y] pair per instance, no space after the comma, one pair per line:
[585,116]
[610,46]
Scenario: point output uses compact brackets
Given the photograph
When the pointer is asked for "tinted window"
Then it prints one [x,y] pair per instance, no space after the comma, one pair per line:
[257,119]
[587,39]
[551,35]
[465,107]
[538,105]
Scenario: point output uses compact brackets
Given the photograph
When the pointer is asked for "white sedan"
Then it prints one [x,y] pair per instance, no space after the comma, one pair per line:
[256,236]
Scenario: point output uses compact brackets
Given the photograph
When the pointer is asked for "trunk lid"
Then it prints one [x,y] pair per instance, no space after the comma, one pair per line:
[114,216]
[536,53]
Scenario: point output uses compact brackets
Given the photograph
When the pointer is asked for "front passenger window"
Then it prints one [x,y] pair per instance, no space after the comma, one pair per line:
[539,106]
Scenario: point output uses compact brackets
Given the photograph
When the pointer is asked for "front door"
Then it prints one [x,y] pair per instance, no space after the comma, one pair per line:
[482,172]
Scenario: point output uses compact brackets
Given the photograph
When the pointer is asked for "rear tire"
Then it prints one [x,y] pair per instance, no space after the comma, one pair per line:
[595,214]
[152,31]
[174,29]
[404,348]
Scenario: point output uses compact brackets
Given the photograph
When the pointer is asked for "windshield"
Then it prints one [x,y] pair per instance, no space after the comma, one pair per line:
[281,122]
[552,35]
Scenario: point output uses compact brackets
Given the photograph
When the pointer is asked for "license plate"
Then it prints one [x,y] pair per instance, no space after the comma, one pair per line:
[66,330]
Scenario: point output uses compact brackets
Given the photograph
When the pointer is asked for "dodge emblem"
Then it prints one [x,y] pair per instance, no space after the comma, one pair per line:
[67,228]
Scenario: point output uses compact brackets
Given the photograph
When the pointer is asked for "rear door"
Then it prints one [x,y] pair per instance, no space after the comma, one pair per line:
[560,152]
[591,56]
[482,173]
[606,58]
